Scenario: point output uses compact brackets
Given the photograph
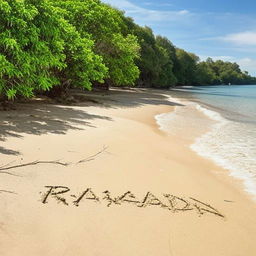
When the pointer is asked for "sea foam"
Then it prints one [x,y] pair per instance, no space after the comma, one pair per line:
[229,144]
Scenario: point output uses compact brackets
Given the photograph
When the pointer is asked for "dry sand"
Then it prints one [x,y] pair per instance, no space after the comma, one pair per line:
[136,159]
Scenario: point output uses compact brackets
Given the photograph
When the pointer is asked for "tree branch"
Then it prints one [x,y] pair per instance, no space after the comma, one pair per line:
[6,191]
[6,167]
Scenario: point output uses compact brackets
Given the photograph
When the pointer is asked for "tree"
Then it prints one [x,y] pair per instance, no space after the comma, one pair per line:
[104,25]
[155,62]
[39,49]
[166,76]
[205,75]
[47,44]
[186,67]
[147,62]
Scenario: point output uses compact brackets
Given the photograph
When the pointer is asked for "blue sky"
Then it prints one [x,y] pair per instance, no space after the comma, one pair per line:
[220,29]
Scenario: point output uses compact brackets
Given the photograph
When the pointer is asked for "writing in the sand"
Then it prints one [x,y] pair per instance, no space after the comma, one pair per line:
[169,202]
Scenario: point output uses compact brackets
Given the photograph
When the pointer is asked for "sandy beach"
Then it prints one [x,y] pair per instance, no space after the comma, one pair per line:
[100,179]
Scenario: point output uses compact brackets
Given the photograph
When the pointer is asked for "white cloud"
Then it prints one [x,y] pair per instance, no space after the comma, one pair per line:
[145,15]
[224,58]
[248,64]
[157,4]
[243,38]
[183,12]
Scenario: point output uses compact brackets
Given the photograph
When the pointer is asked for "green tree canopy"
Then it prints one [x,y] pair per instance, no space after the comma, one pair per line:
[47,44]
[221,72]
[39,48]
[104,25]
[186,67]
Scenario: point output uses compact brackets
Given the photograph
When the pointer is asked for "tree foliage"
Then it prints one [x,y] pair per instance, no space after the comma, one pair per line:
[156,57]
[40,49]
[222,72]
[58,43]
[104,25]
[186,68]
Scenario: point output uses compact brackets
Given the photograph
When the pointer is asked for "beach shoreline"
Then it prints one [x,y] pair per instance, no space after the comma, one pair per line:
[222,139]
[150,194]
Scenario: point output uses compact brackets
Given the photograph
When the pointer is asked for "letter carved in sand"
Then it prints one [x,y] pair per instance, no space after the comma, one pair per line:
[174,204]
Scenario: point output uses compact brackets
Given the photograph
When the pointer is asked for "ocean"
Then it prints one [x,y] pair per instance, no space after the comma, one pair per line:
[230,139]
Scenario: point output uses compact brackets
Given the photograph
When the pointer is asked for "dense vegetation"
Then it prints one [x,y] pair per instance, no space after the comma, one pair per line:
[47,44]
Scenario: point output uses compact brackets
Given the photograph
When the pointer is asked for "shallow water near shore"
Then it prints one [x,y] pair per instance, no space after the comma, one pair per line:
[231,137]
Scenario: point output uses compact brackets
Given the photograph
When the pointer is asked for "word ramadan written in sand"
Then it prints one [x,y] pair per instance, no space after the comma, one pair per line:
[172,203]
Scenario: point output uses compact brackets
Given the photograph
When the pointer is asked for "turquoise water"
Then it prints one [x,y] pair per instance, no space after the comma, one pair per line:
[231,141]
[237,103]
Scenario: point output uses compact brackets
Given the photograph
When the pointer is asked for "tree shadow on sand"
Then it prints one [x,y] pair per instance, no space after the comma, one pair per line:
[41,119]
[127,98]
[5,151]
